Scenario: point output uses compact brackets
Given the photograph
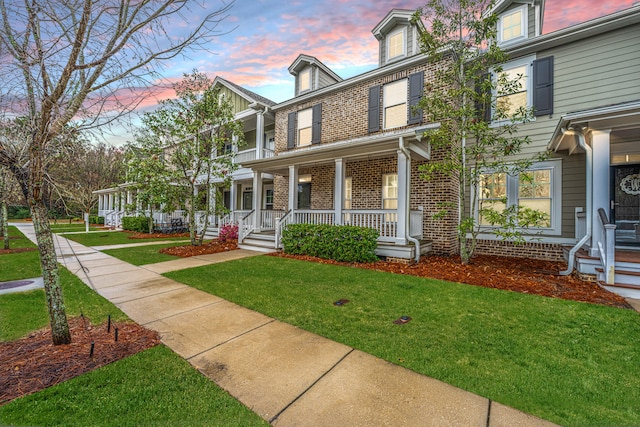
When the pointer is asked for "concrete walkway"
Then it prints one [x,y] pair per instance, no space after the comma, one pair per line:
[288,376]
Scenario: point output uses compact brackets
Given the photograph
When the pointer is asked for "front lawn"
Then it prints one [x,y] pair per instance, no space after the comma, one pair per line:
[141,255]
[113,238]
[569,362]
[154,387]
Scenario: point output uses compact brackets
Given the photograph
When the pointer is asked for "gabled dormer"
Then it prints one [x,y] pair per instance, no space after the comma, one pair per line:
[397,36]
[311,74]
[518,20]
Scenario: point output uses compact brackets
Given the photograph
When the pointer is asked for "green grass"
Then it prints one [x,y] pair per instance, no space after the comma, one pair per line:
[23,312]
[111,238]
[22,265]
[154,387]
[64,228]
[568,362]
[141,255]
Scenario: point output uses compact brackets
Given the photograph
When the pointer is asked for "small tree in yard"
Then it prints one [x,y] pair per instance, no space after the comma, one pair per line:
[81,64]
[464,97]
[192,135]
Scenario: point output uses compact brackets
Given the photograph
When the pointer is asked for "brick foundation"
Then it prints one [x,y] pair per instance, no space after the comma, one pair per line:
[542,251]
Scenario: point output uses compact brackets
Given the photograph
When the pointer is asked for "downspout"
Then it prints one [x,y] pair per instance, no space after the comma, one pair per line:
[589,193]
[407,219]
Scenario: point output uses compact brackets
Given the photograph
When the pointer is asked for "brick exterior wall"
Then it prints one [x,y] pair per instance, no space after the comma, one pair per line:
[543,251]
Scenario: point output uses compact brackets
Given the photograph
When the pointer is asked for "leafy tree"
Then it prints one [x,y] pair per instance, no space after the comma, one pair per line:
[4,228]
[79,64]
[85,169]
[461,38]
[189,140]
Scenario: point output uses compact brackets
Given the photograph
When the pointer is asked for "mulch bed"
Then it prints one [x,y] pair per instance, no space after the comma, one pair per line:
[523,275]
[212,247]
[16,250]
[34,363]
[136,235]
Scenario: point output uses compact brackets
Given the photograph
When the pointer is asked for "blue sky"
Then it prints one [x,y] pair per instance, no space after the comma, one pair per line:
[265,36]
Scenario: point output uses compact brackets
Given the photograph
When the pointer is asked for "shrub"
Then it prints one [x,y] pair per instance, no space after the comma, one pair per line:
[136,223]
[338,242]
[228,232]
[95,219]
[18,212]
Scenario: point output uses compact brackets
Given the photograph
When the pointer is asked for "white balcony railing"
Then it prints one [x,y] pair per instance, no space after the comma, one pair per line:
[269,218]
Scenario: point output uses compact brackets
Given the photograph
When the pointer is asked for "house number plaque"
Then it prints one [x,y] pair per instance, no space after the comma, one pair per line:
[630,184]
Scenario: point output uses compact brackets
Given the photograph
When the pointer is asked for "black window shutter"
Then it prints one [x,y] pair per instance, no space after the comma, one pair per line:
[291,130]
[416,88]
[374,109]
[316,120]
[483,103]
[543,86]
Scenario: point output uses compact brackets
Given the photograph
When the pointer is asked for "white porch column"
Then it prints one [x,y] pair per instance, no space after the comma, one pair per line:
[404,174]
[232,196]
[257,199]
[600,145]
[129,197]
[293,187]
[99,203]
[110,202]
[259,135]
[338,193]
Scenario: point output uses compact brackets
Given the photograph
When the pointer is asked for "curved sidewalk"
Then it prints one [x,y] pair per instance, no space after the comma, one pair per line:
[288,376]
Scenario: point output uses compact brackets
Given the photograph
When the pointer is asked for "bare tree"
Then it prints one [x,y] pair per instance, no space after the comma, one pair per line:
[78,64]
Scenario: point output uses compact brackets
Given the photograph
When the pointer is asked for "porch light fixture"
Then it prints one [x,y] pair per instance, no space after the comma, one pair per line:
[422,129]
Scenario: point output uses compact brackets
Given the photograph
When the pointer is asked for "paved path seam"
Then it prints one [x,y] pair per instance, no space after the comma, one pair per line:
[298,397]
[232,339]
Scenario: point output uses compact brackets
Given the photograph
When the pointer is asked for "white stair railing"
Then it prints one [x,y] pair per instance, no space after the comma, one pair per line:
[285,220]
[246,225]
[607,250]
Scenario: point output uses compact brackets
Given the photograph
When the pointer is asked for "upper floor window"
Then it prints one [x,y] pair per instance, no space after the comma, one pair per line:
[304,80]
[513,89]
[304,127]
[396,44]
[395,104]
[512,25]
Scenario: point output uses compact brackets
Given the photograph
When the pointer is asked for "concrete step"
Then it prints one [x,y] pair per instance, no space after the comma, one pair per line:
[623,289]
[257,247]
[630,277]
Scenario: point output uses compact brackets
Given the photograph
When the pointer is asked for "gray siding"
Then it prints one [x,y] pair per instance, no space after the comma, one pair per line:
[324,80]
[411,50]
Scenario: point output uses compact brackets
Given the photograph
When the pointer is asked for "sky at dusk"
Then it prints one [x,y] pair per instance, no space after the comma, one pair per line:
[264,37]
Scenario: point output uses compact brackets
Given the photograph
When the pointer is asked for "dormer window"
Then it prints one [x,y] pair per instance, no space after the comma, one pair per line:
[512,25]
[304,80]
[396,45]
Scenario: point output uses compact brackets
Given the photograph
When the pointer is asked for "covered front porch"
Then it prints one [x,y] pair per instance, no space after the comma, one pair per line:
[362,182]
[610,231]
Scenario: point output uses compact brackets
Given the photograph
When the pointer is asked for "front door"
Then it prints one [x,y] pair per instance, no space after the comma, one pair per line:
[625,206]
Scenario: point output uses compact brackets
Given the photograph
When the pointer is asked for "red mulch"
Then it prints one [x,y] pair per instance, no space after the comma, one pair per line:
[523,275]
[135,235]
[33,363]
[16,250]
[212,247]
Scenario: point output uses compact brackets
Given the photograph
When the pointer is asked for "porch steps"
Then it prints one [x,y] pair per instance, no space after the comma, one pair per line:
[627,272]
[627,282]
[261,242]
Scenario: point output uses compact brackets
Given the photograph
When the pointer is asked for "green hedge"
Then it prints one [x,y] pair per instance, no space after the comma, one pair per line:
[136,223]
[95,219]
[337,242]
[18,212]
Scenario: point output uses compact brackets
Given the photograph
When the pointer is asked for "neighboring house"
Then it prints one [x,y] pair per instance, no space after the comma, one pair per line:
[254,111]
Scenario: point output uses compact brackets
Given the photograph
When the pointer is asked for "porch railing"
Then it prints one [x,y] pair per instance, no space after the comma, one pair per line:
[607,250]
[269,218]
[201,218]
[246,225]
[314,217]
[113,219]
[383,221]
[245,156]
[285,220]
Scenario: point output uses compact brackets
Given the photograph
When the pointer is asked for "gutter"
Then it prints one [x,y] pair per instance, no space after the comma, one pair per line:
[407,218]
[589,193]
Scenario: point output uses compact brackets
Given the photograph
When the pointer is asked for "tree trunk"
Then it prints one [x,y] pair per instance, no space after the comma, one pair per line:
[49,264]
[5,227]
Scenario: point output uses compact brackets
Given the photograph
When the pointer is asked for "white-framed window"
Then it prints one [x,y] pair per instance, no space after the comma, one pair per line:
[395,104]
[513,88]
[537,188]
[304,127]
[390,191]
[304,79]
[512,25]
[397,44]
[348,193]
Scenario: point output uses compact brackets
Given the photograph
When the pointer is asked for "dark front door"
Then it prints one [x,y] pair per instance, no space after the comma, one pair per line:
[625,206]
[304,195]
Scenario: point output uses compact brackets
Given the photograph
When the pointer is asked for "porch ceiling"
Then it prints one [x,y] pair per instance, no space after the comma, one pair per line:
[619,119]
[353,149]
